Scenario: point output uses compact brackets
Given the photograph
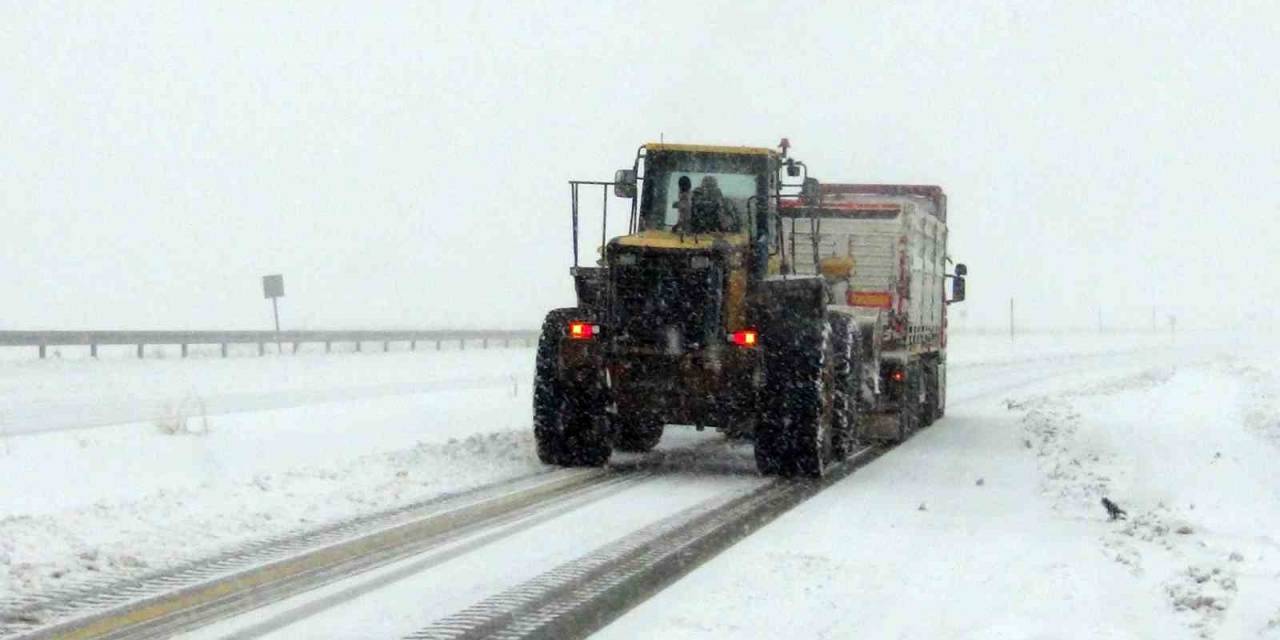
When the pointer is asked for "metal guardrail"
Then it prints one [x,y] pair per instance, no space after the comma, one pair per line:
[42,340]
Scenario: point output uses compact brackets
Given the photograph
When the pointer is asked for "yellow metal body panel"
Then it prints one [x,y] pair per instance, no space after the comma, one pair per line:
[836,268]
[736,298]
[709,148]
[662,239]
[735,244]
[775,264]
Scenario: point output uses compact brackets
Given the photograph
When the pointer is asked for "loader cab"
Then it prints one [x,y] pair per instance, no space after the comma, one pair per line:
[742,179]
[739,177]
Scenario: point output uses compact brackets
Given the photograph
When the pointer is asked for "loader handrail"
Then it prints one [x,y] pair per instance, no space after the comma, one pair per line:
[604,204]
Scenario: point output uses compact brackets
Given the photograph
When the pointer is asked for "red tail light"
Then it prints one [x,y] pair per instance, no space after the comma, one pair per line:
[745,338]
[898,376]
[579,330]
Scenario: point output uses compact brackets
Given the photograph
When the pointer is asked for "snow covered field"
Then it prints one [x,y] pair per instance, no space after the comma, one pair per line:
[211,453]
[199,455]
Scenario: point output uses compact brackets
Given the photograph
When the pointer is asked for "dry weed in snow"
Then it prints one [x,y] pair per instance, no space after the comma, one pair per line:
[1050,425]
[184,417]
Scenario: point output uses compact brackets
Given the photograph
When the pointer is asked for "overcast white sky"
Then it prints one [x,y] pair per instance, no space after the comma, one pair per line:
[406,165]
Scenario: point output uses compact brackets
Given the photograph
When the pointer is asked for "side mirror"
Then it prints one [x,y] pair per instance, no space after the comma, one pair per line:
[793,171]
[957,289]
[962,270]
[810,191]
[624,183]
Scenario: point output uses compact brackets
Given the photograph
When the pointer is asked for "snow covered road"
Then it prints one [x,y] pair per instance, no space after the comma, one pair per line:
[988,525]
[974,519]
[426,588]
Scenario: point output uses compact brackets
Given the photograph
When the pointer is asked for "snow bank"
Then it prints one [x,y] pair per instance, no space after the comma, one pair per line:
[54,548]
[363,434]
[1189,452]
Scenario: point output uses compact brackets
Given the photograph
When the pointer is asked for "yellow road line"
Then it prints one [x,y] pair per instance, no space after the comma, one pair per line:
[175,603]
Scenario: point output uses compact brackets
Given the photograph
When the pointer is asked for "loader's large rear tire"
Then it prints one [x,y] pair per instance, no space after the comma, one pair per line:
[566,418]
[848,366]
[795,434]
[638,435]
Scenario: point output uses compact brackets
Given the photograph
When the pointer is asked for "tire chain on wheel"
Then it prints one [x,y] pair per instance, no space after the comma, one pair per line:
[638,435]
[791,438]
[848,365]
[564,419]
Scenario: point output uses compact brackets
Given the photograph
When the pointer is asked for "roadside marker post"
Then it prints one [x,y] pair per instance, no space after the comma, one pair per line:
[273,288]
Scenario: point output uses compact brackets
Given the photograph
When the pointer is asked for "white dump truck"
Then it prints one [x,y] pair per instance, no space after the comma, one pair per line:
[895,236]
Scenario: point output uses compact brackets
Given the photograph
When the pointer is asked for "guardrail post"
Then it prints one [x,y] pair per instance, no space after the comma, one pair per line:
[386,346]
[437,345]
[327,346]
[506,343]
[358,346]
[93,349]
[295,346]
[184,349]
[42,350]
[413,345]
[462,344]
[484,343]
[140,351]
[262,349]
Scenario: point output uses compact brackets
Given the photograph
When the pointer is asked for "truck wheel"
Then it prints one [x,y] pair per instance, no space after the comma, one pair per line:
[930,411]
[909,411]
[942,389]
[794,436]
[638,436]
[844,418]
[564,418]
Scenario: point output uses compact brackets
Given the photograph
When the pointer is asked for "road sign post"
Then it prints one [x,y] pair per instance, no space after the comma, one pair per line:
[273,288]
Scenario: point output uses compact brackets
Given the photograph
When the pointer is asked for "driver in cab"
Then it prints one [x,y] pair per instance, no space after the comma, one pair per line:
[704,209]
